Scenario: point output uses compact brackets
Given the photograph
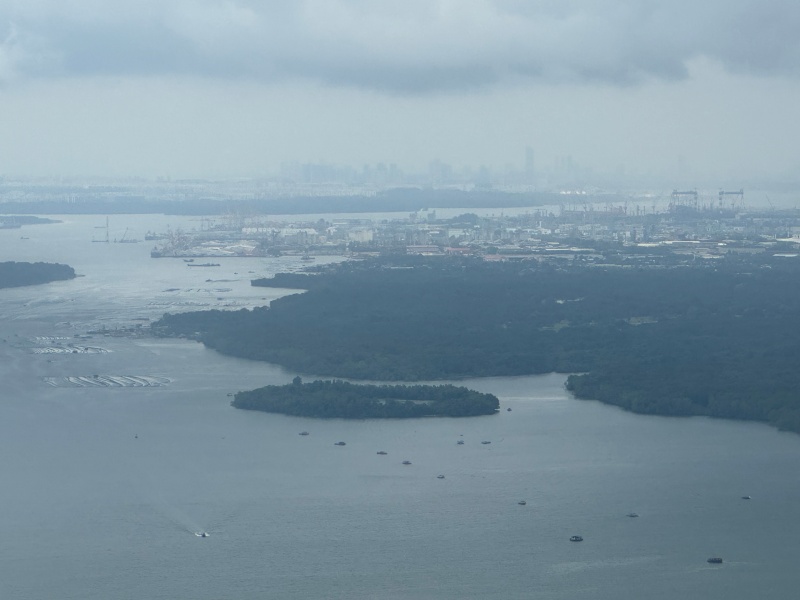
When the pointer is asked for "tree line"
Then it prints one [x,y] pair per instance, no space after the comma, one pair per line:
[714,339]
[341,399]
[15,274]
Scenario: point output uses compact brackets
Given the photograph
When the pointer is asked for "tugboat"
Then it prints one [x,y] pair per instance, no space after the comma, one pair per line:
[576,538]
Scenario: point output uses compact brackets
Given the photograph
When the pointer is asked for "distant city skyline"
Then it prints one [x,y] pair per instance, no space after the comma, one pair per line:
[229,89]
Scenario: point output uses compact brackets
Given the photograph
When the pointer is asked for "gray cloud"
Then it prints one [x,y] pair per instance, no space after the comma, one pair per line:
[398,46]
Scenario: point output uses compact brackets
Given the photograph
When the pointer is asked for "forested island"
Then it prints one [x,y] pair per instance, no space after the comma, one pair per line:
[714,339]
[16,221]
[15,274]
[341,399]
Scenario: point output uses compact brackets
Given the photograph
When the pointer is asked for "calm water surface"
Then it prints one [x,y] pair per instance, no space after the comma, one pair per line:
[104,488]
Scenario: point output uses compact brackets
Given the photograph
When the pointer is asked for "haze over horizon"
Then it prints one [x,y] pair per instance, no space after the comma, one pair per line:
[222,88]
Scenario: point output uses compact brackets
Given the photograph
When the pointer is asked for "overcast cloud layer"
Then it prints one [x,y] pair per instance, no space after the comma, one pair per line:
[397,46]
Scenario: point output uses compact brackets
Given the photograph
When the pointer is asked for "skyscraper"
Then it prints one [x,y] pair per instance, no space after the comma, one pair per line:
[529,173]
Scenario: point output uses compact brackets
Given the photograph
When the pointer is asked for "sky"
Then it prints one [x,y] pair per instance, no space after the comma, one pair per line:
[693,90]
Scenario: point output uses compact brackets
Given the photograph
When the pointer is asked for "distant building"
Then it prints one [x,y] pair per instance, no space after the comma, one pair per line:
[423,249]
[529,165]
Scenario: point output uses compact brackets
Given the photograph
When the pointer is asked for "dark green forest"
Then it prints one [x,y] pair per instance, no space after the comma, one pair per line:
[340,399]
[15,274]
[715,339]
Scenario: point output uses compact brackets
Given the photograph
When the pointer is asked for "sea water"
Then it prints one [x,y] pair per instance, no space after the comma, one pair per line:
[105,486]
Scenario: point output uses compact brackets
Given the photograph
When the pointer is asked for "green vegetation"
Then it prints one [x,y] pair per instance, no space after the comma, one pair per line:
[15,221]
[340,399]
[15,274]
[716,339]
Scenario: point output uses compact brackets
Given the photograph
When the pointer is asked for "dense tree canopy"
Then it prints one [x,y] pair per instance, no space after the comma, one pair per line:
[710,340]
[15,274]
[331,399]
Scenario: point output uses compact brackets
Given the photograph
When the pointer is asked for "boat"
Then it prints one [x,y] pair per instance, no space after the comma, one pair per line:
[576,538]
[522,503]
[508,410]
[303,433]
[339,444]
[486,442]
[745,497]
[201,534]
[440,477]
[715,560]
[202,264]
[406,462]
[381,452]
[460,442]
[632,515]
[306,257]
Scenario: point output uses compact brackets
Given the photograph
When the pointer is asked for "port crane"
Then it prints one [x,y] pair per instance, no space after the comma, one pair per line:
[677,199]
[737,195]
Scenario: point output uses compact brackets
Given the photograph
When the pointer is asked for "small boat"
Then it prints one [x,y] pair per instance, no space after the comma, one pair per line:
[522,503]
[303,433]
[576,538]
[460,442]
[486,442]
[440,477]
[508,410]
[745,497]
[382,453]
[339,444]
[715,560]
[406,462]
[201,534]
[632,515]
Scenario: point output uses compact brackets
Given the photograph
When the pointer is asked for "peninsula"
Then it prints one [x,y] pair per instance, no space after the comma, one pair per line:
[708,338]
[15,274]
